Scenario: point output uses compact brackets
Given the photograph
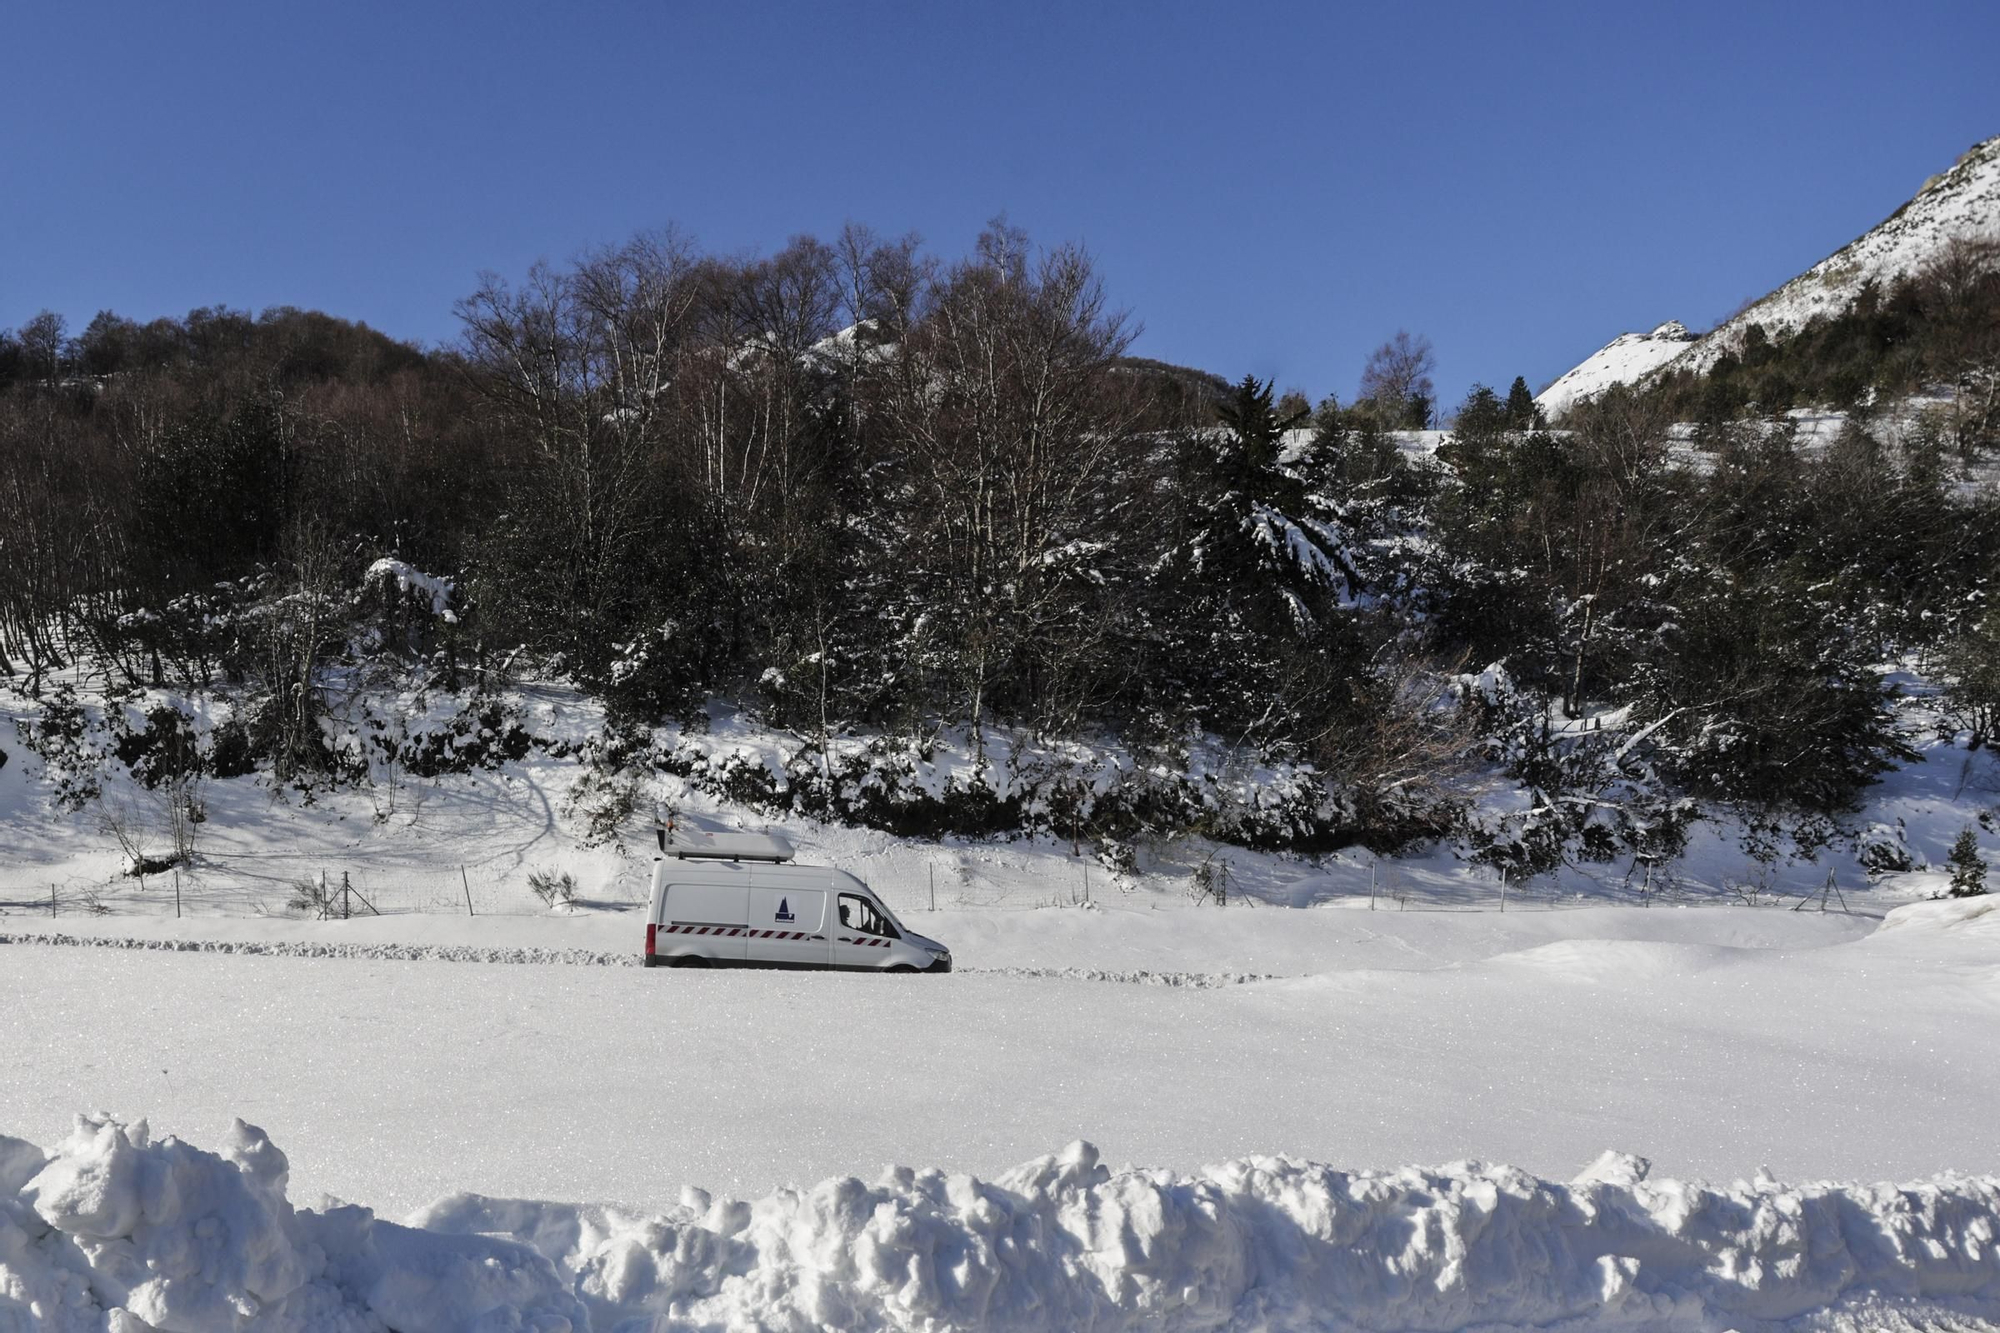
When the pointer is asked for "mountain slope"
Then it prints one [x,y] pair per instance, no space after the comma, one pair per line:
[1962,203]
[1628,357]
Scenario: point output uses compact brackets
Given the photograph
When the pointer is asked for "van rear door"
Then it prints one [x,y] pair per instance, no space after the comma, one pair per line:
[706,911]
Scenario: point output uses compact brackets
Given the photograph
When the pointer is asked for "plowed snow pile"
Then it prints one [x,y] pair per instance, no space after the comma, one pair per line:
[114,1231]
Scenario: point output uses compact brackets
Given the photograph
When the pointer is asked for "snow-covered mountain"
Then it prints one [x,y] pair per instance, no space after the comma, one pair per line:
[1963,202]
[1624,359]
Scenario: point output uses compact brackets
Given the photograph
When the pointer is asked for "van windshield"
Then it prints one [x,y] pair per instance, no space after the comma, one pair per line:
[858,913]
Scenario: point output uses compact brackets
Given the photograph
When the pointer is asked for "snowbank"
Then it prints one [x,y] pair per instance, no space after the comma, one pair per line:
[117,1231]
[113,1231]
[1273,1243]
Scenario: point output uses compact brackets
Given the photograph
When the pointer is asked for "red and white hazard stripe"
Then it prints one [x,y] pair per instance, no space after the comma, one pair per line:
[679,928]
[865,941]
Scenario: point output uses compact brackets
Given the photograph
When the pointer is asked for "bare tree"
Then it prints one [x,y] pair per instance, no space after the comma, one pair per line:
[1961,289]
[1397,379]
[585,368]
[295,628]
[43,340]
[1013,457]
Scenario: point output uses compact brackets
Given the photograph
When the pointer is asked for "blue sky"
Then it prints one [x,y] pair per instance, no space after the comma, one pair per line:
[1267,188]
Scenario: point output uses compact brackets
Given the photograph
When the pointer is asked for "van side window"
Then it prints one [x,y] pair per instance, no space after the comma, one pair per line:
[858,914]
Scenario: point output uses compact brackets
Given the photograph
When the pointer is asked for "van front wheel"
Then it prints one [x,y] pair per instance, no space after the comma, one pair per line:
[902,968]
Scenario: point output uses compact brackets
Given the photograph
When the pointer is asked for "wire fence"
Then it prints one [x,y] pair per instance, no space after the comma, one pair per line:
[327,892]
[344,892]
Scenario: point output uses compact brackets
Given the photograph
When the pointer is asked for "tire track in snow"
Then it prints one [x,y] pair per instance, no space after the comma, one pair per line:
[428,953]
[1134,977]
[471,953]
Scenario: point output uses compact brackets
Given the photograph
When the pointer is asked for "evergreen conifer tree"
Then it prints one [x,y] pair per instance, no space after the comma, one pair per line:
[1257,423]
[1481,415]
[1522,414]
[1968,871]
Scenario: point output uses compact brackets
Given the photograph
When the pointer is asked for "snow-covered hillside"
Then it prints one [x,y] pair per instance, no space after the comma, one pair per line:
[1626,358]
[1962,203]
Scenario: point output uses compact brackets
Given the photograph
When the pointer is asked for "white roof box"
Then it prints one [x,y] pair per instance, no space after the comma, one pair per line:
[732,847]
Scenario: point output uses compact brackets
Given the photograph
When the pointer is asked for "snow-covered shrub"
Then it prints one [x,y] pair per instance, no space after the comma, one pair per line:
[1593,793]
[660,672]
[553,887]
[1881,850]
[230,753]
[1119,856]
[312,755]
[309,896]
[164,750]
[484,733]
[60,736]
[605,795]
[1767,697]
[1086,793]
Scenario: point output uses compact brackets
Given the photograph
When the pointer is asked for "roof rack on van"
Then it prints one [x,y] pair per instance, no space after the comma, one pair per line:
[734,847]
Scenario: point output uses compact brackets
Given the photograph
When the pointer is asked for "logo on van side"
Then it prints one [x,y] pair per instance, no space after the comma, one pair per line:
[785,910]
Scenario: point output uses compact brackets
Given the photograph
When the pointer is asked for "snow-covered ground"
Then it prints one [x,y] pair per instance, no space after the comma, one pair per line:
[1723,1040]
[1716,1039]
[1706,1026]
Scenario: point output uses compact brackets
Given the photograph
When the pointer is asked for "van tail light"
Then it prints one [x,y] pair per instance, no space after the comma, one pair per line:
[650,930]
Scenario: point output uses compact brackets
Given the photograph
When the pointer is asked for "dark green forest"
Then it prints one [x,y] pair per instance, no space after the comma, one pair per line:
[857,489]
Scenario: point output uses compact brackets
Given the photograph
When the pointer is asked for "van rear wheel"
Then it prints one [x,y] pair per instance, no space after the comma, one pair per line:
[690,960]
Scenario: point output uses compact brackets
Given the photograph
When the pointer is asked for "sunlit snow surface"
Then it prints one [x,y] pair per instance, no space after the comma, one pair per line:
[1715,1037]
[111,1227]
[1814,1045]
[1624,360]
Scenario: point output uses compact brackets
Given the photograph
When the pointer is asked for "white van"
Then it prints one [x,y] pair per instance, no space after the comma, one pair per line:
[738,901]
